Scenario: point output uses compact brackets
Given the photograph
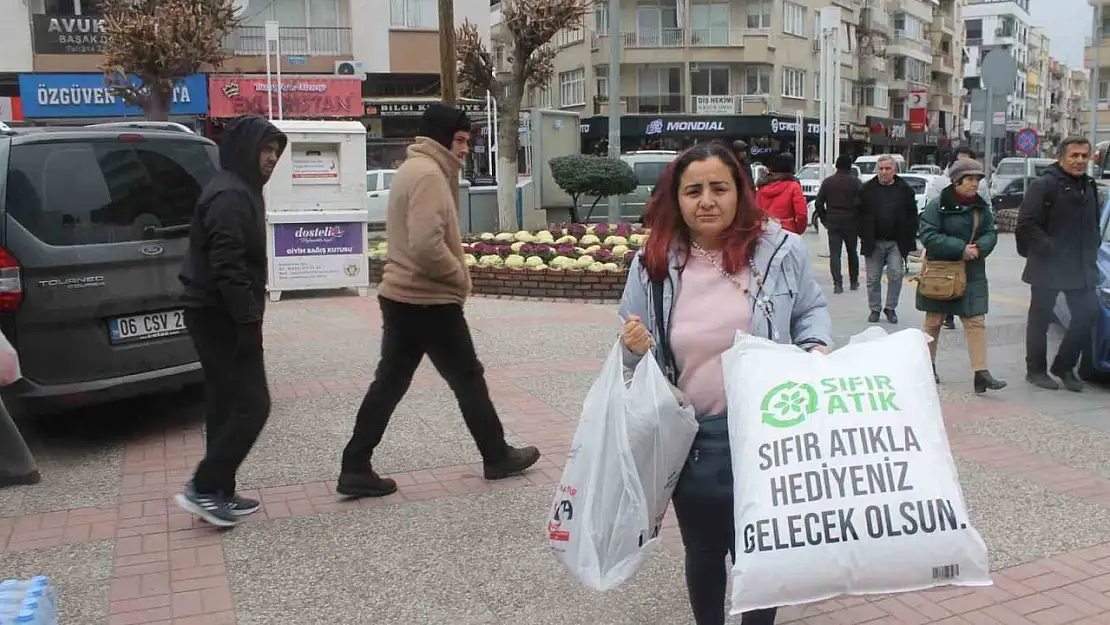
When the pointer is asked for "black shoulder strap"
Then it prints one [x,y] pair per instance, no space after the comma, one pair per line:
[660,333]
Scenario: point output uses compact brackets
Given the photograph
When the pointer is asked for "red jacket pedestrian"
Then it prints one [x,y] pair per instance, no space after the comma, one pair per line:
[780,196]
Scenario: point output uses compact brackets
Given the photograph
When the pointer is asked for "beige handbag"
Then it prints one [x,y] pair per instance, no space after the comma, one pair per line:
[946,280]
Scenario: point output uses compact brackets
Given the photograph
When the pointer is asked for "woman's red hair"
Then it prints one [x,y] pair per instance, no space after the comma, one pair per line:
[668,228]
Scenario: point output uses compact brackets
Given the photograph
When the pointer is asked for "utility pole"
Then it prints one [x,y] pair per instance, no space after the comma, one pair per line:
[616,39]
[1096,74]
[448,73]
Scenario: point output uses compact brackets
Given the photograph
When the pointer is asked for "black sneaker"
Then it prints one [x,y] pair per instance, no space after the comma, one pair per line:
[242,506]
[1042,380]
[368,484]
[873,317]
[838,288]
[1071,382]
[854,285]
[891,316]
[950,322]
[27,479]
[212,508]
[518,461]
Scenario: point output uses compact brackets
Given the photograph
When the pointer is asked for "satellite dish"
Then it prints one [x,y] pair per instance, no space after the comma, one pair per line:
[240,5]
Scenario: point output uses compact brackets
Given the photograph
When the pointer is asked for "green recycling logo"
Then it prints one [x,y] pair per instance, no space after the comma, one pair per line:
[788,404]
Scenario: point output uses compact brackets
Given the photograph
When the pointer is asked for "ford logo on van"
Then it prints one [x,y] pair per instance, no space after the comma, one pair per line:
[151,250]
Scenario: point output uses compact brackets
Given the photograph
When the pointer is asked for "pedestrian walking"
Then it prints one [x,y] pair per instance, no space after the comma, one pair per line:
[780,195]
[837,205]
[424,285]
[964,153]
[1057,233]
[888,233]
[712,258]
[17,464]
[958,232]
[224,274]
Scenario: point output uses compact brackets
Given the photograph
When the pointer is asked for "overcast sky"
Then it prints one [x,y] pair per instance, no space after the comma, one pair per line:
[1068,23]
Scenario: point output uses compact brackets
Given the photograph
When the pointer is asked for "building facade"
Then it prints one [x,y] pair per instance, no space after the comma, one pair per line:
[1100,71]
[732,69]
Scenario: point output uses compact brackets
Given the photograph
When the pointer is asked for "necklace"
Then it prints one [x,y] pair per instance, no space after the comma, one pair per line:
[762,301]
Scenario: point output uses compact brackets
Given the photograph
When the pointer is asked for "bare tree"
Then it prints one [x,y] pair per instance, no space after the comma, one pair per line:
[150,44]
[527,27]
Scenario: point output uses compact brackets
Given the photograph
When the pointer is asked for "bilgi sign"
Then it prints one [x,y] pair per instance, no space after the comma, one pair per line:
[87,95]
[778,125]
[658,126]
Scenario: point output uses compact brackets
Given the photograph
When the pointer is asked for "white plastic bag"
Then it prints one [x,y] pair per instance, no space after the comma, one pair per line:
[628,451]
[9,362]
[844,480]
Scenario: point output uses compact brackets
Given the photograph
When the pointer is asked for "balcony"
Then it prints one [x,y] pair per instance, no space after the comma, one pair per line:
[716,37]
[662,38]
[943,63]
[662,104]
[941,102]
[294,41]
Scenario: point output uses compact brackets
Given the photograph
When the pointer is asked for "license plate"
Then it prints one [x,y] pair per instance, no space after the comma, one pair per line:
[146,326]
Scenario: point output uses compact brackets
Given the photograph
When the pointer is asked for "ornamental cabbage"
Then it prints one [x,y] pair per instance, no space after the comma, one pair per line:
[616,240]
[544,236]
[611,267]
[524,236]
[490,260]
[566,240]
[486,236]
[589,239]
[595,267]
[469,260]
[561,262]
[619,250]
[637,239]
[583,262]
[537,267]
[516,246]
[592,249]
[515,261]
[504,237]
[533,261]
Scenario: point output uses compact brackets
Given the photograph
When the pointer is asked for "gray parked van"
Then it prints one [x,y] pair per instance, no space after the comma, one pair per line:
[95,224]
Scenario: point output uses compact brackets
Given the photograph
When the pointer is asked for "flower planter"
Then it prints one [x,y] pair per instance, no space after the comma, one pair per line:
[537,283]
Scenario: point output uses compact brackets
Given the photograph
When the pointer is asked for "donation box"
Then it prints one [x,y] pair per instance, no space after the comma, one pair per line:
[315,209]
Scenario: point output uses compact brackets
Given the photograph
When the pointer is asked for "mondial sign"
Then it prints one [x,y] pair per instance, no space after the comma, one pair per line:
[658,126]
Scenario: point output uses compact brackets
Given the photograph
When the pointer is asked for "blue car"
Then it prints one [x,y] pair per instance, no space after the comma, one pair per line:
[1095,364]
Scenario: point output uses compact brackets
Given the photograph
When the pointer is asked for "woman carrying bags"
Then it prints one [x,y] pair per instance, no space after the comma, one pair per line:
[714,264]
[957,230]
[780,195]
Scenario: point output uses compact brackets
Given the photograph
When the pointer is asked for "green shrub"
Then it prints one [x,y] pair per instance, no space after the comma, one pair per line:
[588,175]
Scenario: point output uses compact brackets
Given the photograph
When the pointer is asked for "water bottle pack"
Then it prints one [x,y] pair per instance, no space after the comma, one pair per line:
[28,602]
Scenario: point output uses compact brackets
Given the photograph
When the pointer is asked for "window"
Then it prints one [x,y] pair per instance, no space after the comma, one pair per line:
[568,36]
[909,26]
[1103,90]
[793,83]
[90,192]
[387,180]
[572,87]
[414,14]
[601,81]
[759,13]
[659,90]
[913,70]
[875,96]
[817,86]
[71,7]
[793,19]
[973,29]
[898,108]
[648,174]
[757,80]
[709,24]
[601,18]
[709,81]
[847,92]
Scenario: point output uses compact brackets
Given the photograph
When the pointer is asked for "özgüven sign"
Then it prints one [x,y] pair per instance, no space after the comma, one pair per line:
[87,95]
[322,255]
[301,96]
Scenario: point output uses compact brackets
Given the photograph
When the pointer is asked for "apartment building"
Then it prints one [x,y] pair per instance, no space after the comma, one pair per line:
[1056,97]
[745,69]
[994,25]
[1077,108]
[1101,73]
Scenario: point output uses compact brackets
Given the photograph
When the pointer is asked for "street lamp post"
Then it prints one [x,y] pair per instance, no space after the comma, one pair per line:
[448,76]
[1096,74]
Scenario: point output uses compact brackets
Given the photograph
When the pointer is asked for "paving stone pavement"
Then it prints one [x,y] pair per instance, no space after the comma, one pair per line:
[451,548]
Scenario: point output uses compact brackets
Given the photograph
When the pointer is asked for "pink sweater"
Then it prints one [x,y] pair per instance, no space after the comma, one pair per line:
[709,310]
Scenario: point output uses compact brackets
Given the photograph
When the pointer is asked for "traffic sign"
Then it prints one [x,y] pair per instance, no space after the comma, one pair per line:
[1027,140]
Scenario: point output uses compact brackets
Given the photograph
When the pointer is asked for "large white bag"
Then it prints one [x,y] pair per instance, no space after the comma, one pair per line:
[630,446]
[844,480]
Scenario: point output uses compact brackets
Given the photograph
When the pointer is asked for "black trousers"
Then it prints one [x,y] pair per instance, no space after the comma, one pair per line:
[1083,305]
[848,240]
[704,509]
[409,331]
[236,399]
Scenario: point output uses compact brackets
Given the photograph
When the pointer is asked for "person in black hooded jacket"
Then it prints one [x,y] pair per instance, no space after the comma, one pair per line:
[224,273]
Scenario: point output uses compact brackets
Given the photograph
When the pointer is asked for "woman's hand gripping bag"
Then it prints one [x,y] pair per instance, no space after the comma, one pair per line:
[845,482]
[628,450]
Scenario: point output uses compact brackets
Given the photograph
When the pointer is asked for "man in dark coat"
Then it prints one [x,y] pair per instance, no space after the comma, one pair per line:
[888,233]
[1057,233]
[837,206]
[224,273]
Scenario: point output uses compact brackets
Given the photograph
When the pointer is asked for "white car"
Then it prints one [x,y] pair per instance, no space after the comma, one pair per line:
[930,170]
[925,187]
[810,178]
[378,182]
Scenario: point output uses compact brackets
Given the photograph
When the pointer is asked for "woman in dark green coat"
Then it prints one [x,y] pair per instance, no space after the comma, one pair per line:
[959,225]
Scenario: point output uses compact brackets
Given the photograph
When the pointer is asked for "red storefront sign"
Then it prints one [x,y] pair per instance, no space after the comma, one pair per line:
[302,96]
[11,109]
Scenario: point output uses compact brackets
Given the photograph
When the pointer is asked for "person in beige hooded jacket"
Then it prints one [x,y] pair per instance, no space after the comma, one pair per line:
[424,285]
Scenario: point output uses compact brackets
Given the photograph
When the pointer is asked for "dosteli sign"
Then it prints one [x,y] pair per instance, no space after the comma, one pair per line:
[68,34]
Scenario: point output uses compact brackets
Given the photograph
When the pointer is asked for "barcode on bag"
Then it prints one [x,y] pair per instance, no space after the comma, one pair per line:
[946,572]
